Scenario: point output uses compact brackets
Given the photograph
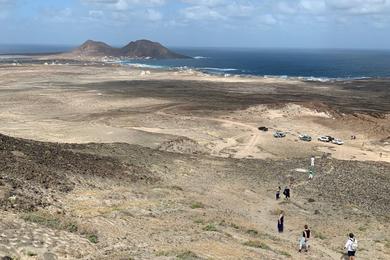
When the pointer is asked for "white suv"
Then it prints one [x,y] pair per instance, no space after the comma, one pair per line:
[337,141]
[323,139]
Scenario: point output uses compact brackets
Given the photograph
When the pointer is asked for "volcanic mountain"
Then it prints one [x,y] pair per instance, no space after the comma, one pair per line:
[138,50]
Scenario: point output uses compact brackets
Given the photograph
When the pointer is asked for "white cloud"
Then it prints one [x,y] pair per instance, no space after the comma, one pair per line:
[203,13]
[236,13]
[153,15]
[56,15]
[96,13]
[286,7]
[267,19]
[355,4]
[205,2]
[239,10]
[313,6]
[123,5]
[123,11]
[347,7]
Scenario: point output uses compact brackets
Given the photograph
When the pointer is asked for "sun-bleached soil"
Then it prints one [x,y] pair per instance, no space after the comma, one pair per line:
[171,165]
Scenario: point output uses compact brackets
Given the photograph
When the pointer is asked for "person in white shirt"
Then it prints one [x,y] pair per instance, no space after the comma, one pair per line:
[351,246]
[312,161]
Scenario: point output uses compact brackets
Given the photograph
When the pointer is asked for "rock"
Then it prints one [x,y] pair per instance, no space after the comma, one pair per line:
[49,256]
[183,145]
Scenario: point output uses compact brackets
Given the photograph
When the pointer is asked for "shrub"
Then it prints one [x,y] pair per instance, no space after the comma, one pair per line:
[43,219]
[284,253]
[210,227]
[252,232]
[50,221]
[199,221]
[29,253]
[197,205]
[72,227]
[93,238]
[320,236]
[187,255]
[257,244]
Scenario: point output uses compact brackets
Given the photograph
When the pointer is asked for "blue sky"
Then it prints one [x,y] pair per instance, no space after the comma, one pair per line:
[225,23]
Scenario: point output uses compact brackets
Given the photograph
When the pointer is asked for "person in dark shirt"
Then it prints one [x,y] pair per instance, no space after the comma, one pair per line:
[281,222]
[286,192]
[304,241]
[278,193]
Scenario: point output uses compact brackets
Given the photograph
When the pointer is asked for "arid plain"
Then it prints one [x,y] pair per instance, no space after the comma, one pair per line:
[135,164]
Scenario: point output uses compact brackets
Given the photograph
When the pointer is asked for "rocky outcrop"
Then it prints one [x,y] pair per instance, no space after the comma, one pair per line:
[140,49]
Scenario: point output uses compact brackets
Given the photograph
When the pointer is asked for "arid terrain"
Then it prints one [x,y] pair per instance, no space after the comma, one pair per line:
[99,161]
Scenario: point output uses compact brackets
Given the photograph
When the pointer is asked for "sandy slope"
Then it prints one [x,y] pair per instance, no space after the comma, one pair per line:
[141,203]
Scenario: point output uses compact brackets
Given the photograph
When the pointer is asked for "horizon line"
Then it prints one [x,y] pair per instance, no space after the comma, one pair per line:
[210,46]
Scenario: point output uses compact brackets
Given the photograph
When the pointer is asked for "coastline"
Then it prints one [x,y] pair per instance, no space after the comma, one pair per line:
[61,59]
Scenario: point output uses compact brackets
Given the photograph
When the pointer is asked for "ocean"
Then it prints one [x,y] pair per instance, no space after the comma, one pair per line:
[310,64]
[32,48]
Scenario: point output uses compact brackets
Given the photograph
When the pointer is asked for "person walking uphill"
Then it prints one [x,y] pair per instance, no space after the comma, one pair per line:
[277,195]
[281,222]
[304,240]
[286,193]
[351,246]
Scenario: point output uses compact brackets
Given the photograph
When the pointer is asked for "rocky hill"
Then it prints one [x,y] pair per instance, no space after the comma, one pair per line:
[34,174]
[145,48]
[94,48]
[63,201]
[137,50]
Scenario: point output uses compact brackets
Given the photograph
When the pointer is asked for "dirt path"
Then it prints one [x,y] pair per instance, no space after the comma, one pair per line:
[248,149]
[260,209]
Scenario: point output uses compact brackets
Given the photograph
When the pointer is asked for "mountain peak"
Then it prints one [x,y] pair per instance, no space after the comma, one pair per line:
[146,48]
[136,49]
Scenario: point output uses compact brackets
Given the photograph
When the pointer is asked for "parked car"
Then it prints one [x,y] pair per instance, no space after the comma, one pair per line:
[337,141]
[263,128]
[279,134]
[305,137]
[330,138]
[324,139]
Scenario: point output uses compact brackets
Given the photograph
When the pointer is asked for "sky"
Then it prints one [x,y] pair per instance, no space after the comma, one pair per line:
[200,23]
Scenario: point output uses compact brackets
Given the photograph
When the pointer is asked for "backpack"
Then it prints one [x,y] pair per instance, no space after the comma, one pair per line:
[354,245]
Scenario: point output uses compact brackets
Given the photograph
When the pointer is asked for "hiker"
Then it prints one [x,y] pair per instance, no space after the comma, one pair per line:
[351,246]
[286,193]
[281,222]
[278,193]
[310,175]
[304,241]
[312,159]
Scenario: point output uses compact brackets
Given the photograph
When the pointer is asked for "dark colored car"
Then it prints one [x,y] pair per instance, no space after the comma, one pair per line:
[305,137]
[279,134]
